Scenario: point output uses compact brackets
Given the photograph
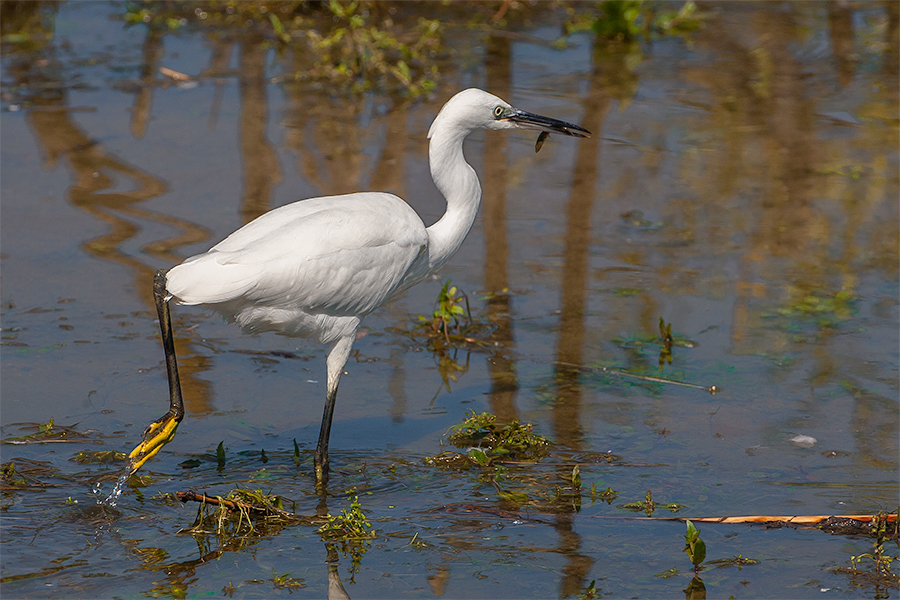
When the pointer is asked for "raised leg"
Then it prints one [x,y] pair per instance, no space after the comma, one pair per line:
[161,431]
[337,358]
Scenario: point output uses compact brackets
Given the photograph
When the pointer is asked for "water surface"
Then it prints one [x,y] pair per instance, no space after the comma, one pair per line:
[741,184]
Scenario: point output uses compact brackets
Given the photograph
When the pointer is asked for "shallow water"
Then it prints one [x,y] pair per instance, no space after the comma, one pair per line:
[741,184]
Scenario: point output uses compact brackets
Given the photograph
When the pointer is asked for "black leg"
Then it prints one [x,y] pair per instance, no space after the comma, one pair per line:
[337,358]
[161,431]
[176,403]
[321,456]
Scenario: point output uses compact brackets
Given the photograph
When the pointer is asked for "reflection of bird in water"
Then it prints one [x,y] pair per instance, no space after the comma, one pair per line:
[315,268]
[336,590]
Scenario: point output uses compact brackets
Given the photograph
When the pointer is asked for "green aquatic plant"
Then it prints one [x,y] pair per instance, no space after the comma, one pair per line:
[513,440]
[353,530]
[281,582]
[48,432]
[349,525]
[649,505]
[240,513]
[220,456]
[100,457]
[668,573]
[590,592]
[694,546]
[607,495]
[738,561]
[881,575]
[11,477]
[664,338]
[487,443]
[449,312]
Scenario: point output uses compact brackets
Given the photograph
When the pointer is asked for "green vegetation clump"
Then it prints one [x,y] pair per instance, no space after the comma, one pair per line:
[513,440]
[11,478]
[649,505]
[350,524]
[487,442]
[285,581]
[352,530]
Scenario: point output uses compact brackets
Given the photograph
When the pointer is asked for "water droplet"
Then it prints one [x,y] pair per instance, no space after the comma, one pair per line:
[113,496]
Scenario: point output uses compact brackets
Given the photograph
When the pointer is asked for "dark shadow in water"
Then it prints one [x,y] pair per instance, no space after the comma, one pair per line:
[892,51]
[608,64]
[501,364]
[840,29]
[610,78]
[152,51]
[220,57]
[95,173]
[261,170]
[332,159]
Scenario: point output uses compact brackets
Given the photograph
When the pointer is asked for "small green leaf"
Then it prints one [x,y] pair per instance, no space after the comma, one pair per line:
[479,456]
[514,497]
[699,552]
[576,477]
[220,454]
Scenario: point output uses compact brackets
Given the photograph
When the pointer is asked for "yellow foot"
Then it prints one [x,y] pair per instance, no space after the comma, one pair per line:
[158,434]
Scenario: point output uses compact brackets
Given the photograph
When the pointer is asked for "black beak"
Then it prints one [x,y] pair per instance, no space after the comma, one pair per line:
[527,120]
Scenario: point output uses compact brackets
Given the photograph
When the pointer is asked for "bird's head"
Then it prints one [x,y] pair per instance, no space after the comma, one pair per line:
[476,109]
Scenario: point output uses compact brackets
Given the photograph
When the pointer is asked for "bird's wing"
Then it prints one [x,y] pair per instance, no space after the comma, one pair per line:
[339,255]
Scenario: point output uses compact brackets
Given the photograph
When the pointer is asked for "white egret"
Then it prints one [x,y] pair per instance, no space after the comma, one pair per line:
[315,268]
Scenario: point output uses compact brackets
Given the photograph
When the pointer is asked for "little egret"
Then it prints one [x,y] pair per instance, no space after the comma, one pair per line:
[315,268]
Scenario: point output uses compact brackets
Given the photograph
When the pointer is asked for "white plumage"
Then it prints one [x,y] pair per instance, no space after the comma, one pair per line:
[316,267]
[334,257]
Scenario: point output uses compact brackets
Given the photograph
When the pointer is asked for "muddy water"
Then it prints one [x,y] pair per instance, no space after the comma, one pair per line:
[742,185]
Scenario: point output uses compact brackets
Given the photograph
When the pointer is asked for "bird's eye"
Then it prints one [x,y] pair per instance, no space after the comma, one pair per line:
[498,112]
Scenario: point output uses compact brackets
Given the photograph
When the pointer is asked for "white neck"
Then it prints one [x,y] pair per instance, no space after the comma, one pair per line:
[456,180]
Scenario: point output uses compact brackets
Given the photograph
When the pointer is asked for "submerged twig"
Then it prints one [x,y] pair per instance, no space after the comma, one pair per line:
[842,524]
[796,519]
[192,496]
[712,389]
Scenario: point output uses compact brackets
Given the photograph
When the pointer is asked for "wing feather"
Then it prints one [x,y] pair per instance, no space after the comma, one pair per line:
[338,255]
